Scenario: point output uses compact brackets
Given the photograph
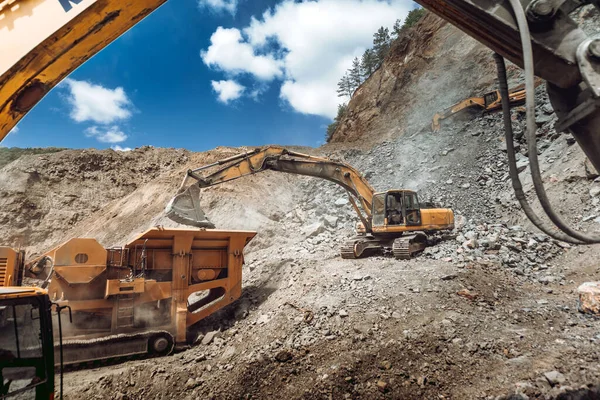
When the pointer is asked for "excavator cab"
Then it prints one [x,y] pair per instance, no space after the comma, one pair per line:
[396,207]
[492,100]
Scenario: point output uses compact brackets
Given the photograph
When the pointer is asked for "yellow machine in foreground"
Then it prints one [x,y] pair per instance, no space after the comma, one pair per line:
[26,345]
[11,267]
[143,297]
[489,102]
[392,222]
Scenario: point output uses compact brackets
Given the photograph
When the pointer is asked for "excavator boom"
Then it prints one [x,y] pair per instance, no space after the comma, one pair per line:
[183,208]
[43,41]
[471,102]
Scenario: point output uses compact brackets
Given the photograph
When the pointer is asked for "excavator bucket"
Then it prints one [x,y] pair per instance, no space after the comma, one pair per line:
[185,209]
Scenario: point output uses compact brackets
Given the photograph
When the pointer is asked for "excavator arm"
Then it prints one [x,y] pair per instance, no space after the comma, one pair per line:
[471,102]
[43,41]
[184,209]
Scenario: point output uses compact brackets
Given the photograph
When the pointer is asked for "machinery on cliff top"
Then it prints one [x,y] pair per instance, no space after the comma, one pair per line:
[392,222]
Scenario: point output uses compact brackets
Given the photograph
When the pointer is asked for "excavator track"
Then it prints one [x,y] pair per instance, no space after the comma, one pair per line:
[406,247]
[347,250]
[111,349]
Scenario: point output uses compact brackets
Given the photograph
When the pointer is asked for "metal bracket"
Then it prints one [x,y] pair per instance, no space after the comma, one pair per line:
[588,60]
[577,114]
[589,63]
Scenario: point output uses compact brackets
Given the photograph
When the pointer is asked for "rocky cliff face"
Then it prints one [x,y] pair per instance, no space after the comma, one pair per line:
[433,66]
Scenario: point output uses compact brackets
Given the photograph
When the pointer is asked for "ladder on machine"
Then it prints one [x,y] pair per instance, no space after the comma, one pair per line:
[125,303]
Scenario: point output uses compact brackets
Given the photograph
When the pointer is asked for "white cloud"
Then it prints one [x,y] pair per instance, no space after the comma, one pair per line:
[219,5]
[110,134]
[229,52]
[96,103]
[14,130]
[315,44]
[119,148]
[228,90]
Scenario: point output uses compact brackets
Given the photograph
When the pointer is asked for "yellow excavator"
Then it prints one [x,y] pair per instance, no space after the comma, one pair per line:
[392,222]
[26,344]
[43,41]
[489,102]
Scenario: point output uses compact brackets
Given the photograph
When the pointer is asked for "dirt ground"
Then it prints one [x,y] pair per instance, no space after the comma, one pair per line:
[381,329]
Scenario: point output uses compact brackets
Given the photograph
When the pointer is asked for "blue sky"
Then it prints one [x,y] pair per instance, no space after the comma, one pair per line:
[204,73]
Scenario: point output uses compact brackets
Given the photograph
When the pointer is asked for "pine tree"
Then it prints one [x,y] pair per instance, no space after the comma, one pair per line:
[381,44]
[368,63]
[397,29]
[341,113]
[355,74]
[413,17]
[344,86]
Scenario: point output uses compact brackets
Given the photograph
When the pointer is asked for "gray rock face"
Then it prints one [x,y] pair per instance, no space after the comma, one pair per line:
[209,337]
[341,201]
[313,230]
[330,221]
[554,378]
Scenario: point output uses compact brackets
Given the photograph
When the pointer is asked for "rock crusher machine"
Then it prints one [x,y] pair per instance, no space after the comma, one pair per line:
[144,296]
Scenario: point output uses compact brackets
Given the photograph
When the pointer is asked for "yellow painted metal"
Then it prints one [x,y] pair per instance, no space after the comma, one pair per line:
[9,260]
[207,274]
[43,41]
[432,219]
[472,102]
[276,158]
[117,286]
[187,248]
[491,101]
[90,252]
[80,274]
[15,292]
[285,160]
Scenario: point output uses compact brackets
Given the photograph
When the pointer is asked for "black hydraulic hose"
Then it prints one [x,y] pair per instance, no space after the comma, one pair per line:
[531,129]
[512,161]
[60,337]
[62,365]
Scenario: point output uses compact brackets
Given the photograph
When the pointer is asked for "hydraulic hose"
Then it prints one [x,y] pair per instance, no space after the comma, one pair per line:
[512,161]
[531,128]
